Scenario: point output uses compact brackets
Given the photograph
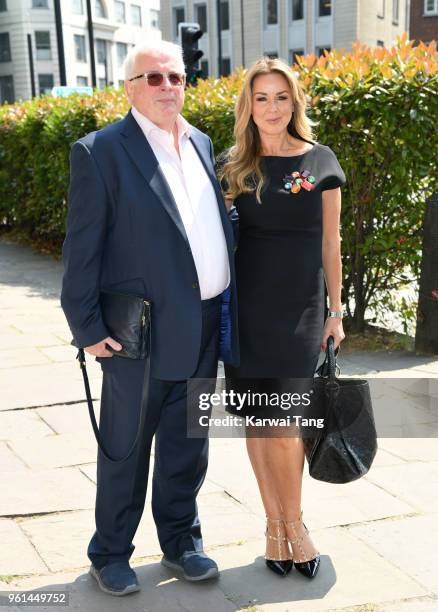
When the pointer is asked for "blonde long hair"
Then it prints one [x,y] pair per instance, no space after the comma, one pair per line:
[242,170]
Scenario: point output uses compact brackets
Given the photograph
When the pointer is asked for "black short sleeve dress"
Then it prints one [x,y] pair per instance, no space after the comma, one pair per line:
[280,280]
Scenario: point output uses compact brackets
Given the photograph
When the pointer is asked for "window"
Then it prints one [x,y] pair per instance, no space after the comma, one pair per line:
[381,8]
[271,12]
[7,89]
[119,8]
[226,66]
[293,53]
[395,11]
[81,81]
[320,50]
[101,83]
[122,50]
[121,83]
[155,19]
[204,68]
[77,7]
[80,51]
[45,83]
[431,7]
[201,16]
[101,50]
[5,47]
[297,10]
[99,9]
[380,43]
[325,8]
[178,17]
[42,42]
[225,15]
[39,4]
[3,6]
[135,15]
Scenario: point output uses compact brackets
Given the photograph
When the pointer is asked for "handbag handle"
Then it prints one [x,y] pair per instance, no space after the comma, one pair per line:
[329,367]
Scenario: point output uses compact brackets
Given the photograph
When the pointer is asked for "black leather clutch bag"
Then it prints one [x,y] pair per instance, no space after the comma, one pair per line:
[344,449]
[128,319]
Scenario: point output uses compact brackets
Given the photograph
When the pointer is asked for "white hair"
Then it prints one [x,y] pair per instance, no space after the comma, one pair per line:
[156,46]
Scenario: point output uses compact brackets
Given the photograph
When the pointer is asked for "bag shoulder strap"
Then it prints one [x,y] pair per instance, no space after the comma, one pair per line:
[144,397]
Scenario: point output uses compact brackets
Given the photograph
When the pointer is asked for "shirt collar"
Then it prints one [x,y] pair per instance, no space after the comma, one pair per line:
[148,126]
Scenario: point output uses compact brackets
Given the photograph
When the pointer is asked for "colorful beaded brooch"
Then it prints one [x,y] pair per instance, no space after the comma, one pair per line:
[297,180]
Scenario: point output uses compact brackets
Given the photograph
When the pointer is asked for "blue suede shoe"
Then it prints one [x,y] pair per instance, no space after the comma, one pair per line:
[116,578]
[193,566]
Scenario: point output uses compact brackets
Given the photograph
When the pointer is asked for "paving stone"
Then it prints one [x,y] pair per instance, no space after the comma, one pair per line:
[17,555]
[45,491]
[58,450]
[54,383]
[407,543]
[416,604]
[57,353]
[14,357]
[413,483]
[69,418]
[411,449]
[16,339]
[9,461]
[17,424]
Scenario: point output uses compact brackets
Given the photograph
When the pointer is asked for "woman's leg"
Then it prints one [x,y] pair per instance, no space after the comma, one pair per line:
[257,453]
[285,462]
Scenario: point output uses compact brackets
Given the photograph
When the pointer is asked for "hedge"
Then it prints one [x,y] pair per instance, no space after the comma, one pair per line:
[376,108]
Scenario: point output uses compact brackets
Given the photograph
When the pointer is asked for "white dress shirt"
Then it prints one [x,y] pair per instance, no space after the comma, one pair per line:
[196,202]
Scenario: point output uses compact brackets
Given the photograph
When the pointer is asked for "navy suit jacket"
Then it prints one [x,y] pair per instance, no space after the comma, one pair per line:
[125,234]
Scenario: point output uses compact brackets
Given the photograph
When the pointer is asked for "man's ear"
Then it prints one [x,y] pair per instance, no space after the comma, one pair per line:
[127,86]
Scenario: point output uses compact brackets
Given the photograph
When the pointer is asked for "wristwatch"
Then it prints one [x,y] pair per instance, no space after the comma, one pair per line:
[338,314]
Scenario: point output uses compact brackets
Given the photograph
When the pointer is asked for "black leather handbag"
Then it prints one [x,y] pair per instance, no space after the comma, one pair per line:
[344,449]
[128,320]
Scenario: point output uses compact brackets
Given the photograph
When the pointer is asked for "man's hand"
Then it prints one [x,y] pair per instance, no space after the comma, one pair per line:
[100,350]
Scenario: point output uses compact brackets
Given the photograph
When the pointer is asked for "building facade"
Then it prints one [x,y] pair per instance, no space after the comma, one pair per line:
[424,20]
[282,28]
[30,25]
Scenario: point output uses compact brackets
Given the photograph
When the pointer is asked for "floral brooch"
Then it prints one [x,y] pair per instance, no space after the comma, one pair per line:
[299,180]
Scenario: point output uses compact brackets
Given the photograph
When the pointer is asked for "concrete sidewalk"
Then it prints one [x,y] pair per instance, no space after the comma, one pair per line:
[378,536]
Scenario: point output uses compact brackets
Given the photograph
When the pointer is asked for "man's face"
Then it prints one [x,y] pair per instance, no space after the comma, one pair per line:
[161,104]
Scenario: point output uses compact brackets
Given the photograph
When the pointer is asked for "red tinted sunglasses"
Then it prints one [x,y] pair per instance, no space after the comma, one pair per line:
[155,79]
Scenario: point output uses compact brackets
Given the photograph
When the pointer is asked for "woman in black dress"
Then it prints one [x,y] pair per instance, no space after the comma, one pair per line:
[285,187]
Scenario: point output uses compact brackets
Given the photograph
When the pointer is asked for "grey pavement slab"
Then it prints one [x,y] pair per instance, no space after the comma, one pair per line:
[17,555]
[33,492]
[51,383]
[411,449]
[9,461]
[416,604]
[413,483]
[407,544]
[57,450]
[18,424]
[68,418]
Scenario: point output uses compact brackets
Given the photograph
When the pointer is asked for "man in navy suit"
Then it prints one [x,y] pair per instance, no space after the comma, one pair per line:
[146,216]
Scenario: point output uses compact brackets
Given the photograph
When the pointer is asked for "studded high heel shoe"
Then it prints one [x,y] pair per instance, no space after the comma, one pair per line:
[278,556]
[305,565]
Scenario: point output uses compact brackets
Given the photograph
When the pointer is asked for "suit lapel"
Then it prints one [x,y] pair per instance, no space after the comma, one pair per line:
[141,154]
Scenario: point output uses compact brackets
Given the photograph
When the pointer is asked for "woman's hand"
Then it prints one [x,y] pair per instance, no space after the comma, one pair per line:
[333,327]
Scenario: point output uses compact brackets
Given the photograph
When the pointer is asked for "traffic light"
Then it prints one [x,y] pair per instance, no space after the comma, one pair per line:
[190,33]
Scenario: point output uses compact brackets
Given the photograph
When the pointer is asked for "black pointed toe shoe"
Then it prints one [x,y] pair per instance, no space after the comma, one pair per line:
[305,565]
[278,556]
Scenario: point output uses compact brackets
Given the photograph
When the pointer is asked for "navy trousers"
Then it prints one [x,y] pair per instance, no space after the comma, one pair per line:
[180,462]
